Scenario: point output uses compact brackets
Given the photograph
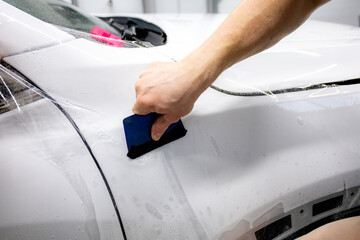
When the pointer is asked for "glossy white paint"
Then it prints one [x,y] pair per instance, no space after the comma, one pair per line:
[50,185]
[241,156]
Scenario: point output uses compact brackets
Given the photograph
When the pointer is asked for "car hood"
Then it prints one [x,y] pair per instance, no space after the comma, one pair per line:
[329,50]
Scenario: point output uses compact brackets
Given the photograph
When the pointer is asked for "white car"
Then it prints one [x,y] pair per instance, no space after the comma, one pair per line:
[272,149]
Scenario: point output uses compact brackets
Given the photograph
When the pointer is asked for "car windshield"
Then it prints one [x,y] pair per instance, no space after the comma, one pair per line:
[62,14]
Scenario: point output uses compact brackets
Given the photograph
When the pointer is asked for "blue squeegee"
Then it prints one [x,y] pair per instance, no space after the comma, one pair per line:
[138,134]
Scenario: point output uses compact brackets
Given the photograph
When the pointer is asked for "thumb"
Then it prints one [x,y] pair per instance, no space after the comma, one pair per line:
[159,127]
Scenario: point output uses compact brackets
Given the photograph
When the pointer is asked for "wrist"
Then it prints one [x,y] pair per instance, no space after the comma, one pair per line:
[203,69]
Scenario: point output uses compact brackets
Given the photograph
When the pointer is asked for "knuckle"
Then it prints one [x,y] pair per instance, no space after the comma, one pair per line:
[137,86]
[142,74]
[168,119]
[141,101]
[144,101]
[174,118]
[162,108]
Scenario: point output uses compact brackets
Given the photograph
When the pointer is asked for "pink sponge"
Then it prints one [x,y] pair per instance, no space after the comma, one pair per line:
[98,31]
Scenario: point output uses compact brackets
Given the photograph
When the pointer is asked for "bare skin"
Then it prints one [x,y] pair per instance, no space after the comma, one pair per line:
[171,89]
[346,229]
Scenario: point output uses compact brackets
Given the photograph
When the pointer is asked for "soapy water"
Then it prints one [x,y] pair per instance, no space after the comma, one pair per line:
[12,101]
[245,90]
[16,91]
[253,91]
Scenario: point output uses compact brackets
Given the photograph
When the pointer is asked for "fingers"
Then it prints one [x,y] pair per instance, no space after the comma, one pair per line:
[141,109]
[157,90]
[160,125]
[142,106]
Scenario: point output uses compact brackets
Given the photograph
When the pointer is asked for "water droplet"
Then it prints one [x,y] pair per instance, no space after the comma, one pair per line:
[167,207]
[157,230]
[300,120]
[215,146]
[151,209]
[209,211]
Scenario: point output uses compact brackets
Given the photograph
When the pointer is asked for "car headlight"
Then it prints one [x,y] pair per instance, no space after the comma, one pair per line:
[15,90]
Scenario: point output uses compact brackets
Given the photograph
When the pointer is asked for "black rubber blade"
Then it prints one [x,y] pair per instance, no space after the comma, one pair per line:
[138,134]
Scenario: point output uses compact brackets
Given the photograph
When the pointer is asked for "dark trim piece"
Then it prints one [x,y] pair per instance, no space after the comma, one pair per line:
[82,138]
[274,229]
[327,205]
[138,30]
[289,90]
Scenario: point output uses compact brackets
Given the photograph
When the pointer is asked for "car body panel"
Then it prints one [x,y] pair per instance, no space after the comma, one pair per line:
[50,187]
[93,111]
[243,161]
[201,180]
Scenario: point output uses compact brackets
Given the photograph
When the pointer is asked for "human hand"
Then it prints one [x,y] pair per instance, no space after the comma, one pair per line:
[169,89]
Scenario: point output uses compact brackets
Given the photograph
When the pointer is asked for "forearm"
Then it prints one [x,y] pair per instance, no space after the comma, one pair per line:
[252,27]
[346,229]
